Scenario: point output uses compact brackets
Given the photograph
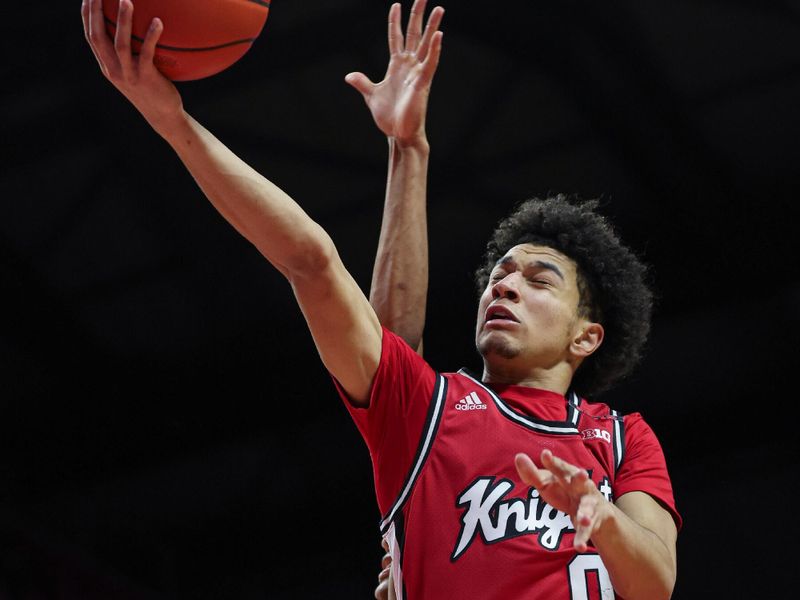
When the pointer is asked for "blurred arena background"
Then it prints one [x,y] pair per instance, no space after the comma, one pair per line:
[167,430]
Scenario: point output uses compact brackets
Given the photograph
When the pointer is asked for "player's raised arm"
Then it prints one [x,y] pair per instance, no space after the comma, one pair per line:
[635,536]
[344,326]
[398,105]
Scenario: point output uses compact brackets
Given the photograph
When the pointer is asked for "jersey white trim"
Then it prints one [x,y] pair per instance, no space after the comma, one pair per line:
[547,427]
[396,567]
[573,412]
[619,439]
[422,453]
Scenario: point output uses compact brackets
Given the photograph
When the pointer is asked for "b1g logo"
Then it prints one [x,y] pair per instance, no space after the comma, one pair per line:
[596,434]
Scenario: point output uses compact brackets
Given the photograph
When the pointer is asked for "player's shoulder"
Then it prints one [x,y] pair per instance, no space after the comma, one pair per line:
[595,408]
[462,380]
[603,410]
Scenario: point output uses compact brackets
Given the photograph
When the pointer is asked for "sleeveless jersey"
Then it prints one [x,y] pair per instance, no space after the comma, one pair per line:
[462,524]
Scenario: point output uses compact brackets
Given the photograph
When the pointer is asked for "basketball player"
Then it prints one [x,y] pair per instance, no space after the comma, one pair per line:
[401,271]
[463,518]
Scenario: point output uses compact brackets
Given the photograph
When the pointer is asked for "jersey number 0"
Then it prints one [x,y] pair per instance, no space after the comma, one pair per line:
[579,570]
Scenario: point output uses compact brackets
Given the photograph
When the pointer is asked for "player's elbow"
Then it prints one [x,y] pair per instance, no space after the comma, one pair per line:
[658,587]
[311,257]
[662,589]
[668,581]
[667,573]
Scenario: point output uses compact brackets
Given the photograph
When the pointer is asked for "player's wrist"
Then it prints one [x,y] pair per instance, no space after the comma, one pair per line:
[169,124]
[414,144]
[606,524]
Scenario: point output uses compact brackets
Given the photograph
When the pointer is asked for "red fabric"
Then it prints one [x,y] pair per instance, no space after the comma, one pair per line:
[543,404]
[514,549]
[644,468]
[392,424]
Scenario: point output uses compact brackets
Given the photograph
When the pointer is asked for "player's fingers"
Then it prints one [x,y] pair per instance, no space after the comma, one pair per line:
[581,540]
[386,561]
[148,50]
[93,23]
[558,466]
[585,518]
[430,31]
[395,31]
[587,509]
[567,474]
[122,39]
[573,480]
[98,38]
[414,30]
[85,19]
[432,60]
[382,591]
[361,83]
[528,471]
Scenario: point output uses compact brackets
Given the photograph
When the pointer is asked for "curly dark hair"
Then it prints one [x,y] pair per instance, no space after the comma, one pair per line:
[611,279]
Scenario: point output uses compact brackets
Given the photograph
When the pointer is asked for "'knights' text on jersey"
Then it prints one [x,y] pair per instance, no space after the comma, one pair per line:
[459,521]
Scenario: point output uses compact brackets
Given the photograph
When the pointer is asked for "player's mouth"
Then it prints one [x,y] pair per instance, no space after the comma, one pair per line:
[498,315]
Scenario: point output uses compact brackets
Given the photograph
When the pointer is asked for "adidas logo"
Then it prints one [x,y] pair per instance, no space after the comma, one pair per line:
[471,402]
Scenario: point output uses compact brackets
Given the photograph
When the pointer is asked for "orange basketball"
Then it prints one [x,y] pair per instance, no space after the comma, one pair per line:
[200,37]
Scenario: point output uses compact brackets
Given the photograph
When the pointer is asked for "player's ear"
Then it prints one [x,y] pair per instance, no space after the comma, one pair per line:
[587,339]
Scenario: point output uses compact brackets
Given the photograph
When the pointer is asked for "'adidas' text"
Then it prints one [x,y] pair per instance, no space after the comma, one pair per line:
[470,402]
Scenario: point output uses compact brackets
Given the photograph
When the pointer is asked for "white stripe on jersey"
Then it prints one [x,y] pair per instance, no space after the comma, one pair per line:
[574,401]
[618,446]
[423,452]
[395,569]
[519,418]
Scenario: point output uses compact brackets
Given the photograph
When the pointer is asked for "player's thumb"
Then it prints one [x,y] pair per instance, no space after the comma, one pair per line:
[361,82]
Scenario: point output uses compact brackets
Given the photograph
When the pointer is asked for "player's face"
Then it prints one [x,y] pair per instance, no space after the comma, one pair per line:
[528,313]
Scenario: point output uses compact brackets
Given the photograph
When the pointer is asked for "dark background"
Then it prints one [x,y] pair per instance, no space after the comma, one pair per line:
[167,429]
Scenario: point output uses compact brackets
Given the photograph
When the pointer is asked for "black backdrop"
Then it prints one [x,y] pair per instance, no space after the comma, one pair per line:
[167,429]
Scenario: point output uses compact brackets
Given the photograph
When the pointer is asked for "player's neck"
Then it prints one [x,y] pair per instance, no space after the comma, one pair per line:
[556,379]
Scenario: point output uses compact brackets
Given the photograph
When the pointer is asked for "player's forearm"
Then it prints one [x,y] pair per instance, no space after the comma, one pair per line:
[400,277]
[257,208]
[639,563]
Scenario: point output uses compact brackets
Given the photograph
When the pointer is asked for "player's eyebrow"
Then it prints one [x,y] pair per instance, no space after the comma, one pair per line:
[550,267]
[542,264]
[505,261]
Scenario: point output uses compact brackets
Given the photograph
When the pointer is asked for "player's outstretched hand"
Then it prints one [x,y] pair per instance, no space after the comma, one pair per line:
[568,489]
[135,76]
[399,102]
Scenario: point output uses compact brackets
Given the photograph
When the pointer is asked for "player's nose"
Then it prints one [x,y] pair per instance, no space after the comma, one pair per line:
[507,287]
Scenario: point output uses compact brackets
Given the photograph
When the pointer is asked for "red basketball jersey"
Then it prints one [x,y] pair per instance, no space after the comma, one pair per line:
[461,524]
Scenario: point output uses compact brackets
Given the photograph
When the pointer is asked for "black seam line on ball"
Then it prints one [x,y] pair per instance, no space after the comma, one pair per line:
[178,49]
[225,45]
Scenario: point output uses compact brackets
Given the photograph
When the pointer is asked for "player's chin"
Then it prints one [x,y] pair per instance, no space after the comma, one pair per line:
[496,344]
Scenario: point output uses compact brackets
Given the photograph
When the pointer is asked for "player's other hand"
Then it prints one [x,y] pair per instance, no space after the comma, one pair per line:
[135,76]
[568,489]
[399,102]
[382,592]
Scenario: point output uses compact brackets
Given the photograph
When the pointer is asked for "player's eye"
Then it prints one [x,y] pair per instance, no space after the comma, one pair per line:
[537,281]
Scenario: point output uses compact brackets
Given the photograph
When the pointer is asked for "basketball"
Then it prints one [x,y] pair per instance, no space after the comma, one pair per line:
[200,37]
